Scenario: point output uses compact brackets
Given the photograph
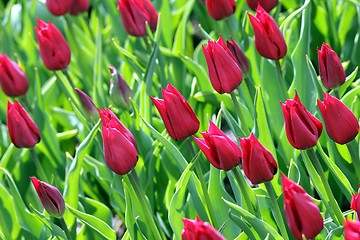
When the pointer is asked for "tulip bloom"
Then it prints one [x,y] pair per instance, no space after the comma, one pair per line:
[331,71]
[119,144]
[268,5]
[258,163]
[87,103]
[197,229]
[13,80]
[54,50]
[22,129]
[178,116]
[50,197]
[221,152]
[59,7]
[134,15]
[302,214]
[120,92]
[219,9]
[79,6]
[351,230]
[269,40]
[239,55]
[340,123]
[224,71]
[355,204]
[302,129]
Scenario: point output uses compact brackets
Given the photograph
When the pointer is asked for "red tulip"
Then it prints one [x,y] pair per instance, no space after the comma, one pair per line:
[221,152]
[87,103]
[302,129]
[120,92]
[258,163]
[59,7]
[351,230]
[268,5]
[219,9]
[355,204]
[331,71]
[239,55]
[134,15]
[79,6]
[269,40]
[54,50]
[13,80]
[50,197]
[224,71]
[197,230]
[22,129]
[119,144]
[340,123]
[302,214]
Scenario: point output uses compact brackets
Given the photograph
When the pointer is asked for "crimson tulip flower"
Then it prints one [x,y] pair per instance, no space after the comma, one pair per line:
[219,9]
[268,5]
[351,230]
[197,229]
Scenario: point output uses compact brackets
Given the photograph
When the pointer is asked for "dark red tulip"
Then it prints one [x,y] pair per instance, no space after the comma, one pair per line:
[22,129]
[197,230]
[269,40]
[351,230]
[355,204]
[59,7]
[87,103]
[120,91]
[79,6]
[340,122]
[50,197]
[13,80]
[219,9]
[302,129]
[302,214]
[239,55]
[219,149]
[267,5]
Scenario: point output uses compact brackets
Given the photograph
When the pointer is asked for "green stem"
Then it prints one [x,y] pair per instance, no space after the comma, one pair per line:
[336,93]
[281,80]
[242,184]
[244,126]
[277,213]
[144,204]
[38,165]
[334,206]
[65,228]
[250,84]
[66,73]
[355,159]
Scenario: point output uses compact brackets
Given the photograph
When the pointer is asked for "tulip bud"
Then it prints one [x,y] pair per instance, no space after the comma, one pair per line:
[258,163]
[87,103]
[224,71]
[355,204]
[351,230]
[120,149]
[13,80]
[219,9]
[120,92]
[331,71]
[178,116]
[269,40]
[221,152]
[50,197]
[302,214]
[54,50]
[239,55]
[79,6]
[22,129]
[340,123]
[135,14]
[302,129]
[268,5]
[196,229]
[58,7]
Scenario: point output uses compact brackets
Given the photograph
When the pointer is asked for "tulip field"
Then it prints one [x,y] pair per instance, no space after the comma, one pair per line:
[182,119]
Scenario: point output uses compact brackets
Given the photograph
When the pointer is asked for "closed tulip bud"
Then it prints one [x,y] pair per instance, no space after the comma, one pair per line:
[178,116]
[54,50]
[268,5]
[13,80]
[340,123]
[87,103]
[135,14]
[120,149]
[197,229]
[50,197]
[219,9]
[79,6]
[239,55]
[59,7]
[224,71]
[331,71]
[22,129]
[258,163]
[219,149]
[302,214]
[302,129]
[269,40]
[355,204]
[120,92]
[351,230]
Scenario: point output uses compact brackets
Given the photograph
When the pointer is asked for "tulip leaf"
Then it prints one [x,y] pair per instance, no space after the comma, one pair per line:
[7,215]
[294,172]
[313,77]
[95,223]
[349,80]
[150,66]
